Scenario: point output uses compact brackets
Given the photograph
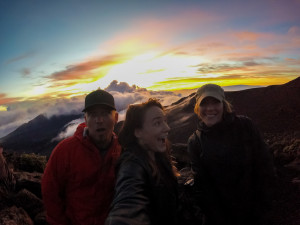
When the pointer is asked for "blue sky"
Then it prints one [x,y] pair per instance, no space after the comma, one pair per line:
[57,50]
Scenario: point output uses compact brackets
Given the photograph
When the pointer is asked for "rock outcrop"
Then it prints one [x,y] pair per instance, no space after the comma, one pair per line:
[19,206]
[14,216]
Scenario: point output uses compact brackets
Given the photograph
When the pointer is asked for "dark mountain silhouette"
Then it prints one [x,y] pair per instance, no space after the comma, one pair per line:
[239,87]
[36,135]
[275,109]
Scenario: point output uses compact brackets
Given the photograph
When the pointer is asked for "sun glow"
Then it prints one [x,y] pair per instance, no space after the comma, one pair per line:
[152,70]
[81,88]
[39,90]
[147,69]
[3,108]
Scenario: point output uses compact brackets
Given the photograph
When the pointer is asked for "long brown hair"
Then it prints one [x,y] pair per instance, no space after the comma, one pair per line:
[134,119]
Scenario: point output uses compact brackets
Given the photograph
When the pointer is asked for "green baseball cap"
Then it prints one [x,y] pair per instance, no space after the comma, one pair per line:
[210,90]
[99,97]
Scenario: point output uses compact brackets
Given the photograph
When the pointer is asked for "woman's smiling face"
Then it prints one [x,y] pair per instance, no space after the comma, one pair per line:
[153,134]
[211,111]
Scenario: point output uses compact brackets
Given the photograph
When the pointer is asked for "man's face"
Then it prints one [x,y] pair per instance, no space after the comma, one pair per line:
[100,121]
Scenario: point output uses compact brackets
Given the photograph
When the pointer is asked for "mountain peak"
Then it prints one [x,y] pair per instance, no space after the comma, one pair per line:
[293,83]
[40,118]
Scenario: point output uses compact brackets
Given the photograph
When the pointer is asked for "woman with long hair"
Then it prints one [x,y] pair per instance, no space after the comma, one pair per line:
[146,185]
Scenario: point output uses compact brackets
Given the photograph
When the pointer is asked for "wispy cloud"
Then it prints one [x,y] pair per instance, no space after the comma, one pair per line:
[248,36]
[161,32]
[294,30]
[20,57]
[25,72]
[69,130]
[292,61]
[83,70]
[5,100]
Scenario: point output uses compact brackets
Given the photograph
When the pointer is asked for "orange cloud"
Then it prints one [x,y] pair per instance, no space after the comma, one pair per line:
[248,36]
[292,61]
[84,70]
[4,100]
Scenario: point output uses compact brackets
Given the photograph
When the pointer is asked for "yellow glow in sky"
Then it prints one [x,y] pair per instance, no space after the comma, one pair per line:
[147,69]
[3,108]
[39,90]
[154,71]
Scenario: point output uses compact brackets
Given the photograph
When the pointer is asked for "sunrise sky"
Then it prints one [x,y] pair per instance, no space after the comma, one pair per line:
[67,47]
[60,49]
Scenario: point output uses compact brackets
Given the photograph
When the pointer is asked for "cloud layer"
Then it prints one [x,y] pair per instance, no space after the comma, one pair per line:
[124,94]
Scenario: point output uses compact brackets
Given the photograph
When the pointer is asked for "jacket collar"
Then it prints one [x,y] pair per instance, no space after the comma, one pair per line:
[81,133]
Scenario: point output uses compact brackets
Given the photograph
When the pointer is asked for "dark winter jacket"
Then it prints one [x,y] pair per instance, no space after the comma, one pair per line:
[78,182]
[234,171]
[139,198]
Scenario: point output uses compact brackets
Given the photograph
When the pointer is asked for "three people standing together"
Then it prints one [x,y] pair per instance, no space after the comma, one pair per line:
[230,161]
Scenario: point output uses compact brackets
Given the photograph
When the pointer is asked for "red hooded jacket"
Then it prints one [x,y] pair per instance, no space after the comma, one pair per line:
[78,183]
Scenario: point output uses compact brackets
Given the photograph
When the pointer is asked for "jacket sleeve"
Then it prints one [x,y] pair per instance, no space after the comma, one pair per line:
[131,201]
[194,153]
[53,188]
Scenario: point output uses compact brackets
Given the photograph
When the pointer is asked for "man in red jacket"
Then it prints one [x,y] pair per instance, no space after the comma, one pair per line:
[79,179]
